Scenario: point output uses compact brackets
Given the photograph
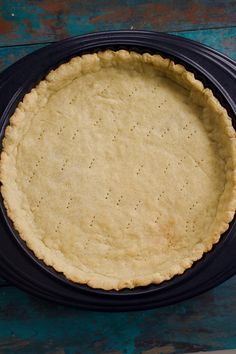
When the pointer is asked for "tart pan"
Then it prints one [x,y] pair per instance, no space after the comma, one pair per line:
[19,265]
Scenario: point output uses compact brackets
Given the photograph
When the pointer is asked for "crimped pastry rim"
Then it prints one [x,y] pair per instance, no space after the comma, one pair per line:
[185,78]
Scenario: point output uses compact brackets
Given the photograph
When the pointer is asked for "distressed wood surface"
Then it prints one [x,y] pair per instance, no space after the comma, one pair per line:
[30,325]
[223,40]
[45,21]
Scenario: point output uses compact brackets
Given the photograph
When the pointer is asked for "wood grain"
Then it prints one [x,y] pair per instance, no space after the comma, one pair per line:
[223,40]
[29,325]
[9,55]
[42,21]
[206,322]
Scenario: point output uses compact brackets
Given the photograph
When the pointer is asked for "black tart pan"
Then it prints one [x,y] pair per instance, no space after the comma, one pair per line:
[19,265]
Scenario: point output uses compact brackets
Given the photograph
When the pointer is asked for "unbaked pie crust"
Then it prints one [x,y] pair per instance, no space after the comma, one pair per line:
[118,169]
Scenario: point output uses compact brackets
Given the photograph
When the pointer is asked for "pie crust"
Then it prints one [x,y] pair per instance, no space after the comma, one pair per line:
[119,170]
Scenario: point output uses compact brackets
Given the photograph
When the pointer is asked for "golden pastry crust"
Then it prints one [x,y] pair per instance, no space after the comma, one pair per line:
[119,169]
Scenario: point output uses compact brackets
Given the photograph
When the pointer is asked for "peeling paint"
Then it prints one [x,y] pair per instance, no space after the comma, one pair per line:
[30,325]
[6,26]
[55,6]
[43,21]
[166,349]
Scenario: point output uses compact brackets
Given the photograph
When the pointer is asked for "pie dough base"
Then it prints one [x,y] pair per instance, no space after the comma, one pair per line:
[119,169]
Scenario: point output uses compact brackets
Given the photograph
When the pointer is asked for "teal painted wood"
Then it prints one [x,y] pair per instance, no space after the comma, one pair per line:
[223,40]
[42,21]
[29,325]
[9,55]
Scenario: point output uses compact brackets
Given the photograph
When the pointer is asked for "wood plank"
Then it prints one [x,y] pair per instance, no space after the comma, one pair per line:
[49,20]
[10,55]
[206,322]
[223,40]
[29,325]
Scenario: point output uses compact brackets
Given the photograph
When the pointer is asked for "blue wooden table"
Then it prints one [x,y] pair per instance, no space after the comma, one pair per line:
[31,325]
